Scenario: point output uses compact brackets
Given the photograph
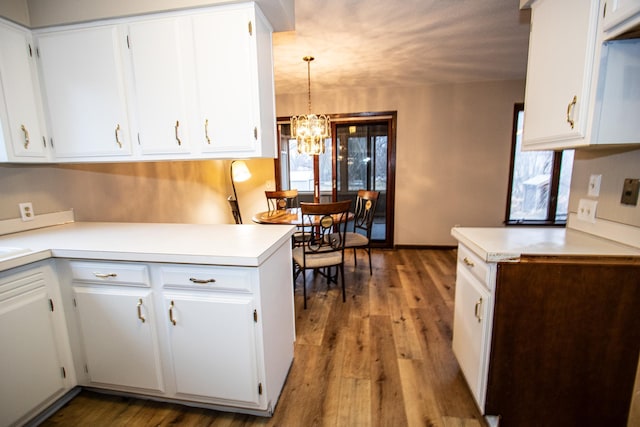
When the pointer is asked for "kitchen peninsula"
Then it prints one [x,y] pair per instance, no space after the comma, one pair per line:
[546,327]
[199,314]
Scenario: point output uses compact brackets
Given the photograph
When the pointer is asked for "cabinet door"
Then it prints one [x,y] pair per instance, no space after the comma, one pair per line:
[471,324]
[30,368]
[160,57]
[620,12]
[24,128]
[213,345]
[82,74]
[119,337]
[227,81]
[559,73]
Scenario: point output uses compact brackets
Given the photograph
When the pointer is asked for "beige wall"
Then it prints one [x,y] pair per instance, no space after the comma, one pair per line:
[614,165]
[453,146]
[452,155]
[189,192]
[15,10]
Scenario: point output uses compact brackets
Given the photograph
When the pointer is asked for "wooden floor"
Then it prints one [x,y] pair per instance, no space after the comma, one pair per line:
[383,358]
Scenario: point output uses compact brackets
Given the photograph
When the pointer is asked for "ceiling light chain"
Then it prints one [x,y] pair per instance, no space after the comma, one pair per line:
[310,130]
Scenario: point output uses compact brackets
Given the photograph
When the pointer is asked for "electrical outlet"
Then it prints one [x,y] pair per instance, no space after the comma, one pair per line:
[630,191]
[594,185]
[26,211]
[587,210]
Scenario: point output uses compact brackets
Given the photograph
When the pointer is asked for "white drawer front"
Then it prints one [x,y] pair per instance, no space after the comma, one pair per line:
[235,279]
[474,264]
[114,273]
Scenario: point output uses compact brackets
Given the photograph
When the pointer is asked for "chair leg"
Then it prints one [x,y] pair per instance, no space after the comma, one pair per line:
[344,292]
[355,258]
[370,268]
[304,287]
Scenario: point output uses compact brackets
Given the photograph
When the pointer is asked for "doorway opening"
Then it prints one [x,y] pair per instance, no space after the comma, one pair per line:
[360,155]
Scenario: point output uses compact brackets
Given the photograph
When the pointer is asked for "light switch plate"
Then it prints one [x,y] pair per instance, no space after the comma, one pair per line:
[587,210]
[594,185]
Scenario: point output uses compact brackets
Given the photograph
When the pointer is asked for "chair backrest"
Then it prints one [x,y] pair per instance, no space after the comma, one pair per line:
[365,209]
[324,226]
[235,210]
[280,200]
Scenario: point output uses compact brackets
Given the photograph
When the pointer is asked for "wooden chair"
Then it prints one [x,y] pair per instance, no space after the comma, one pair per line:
[324,229]
[360,237]
[281,200]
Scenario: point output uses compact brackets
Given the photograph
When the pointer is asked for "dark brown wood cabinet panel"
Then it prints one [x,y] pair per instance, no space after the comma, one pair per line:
[566,341]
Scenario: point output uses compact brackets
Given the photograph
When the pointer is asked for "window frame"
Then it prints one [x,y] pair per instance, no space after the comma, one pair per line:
[552,205]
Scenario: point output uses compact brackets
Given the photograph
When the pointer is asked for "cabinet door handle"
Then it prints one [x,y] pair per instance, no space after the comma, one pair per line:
[468,262]
[118,136]
[140,316]
[105,275]
[177,137]
[171,319]
[206,131]
[570,108]
[26,136]
[477,310]
[201,281]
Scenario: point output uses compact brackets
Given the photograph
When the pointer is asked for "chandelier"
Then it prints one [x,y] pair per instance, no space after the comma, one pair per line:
[310,130]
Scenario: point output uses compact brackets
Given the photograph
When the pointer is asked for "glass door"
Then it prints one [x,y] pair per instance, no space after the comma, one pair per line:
[362,163]
[359,156]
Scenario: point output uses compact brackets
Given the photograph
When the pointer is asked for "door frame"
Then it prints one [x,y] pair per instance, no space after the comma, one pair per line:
[358,118]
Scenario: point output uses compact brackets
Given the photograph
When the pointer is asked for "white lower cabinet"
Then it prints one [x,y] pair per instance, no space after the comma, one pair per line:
[213,344]
[119,336]
[221,336]
[34,368]
[472,320]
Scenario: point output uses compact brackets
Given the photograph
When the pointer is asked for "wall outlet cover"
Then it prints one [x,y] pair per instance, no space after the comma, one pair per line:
[26,211]
[587,210]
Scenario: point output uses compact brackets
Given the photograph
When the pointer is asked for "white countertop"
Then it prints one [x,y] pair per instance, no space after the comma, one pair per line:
[509,243]
[214,244]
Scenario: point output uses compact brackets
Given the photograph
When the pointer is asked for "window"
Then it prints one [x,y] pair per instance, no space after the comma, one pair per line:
[539,182]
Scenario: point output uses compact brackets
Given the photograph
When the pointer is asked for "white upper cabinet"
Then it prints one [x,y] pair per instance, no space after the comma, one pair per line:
[561,62]
[234,73]
[620,15]
[84,89]
[191,84]
[581,79]
[23,131]
[160,56]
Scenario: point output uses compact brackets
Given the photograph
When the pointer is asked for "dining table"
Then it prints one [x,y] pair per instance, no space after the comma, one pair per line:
[289,216]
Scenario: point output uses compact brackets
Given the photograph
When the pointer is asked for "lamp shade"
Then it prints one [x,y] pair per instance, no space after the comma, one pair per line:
[240,171]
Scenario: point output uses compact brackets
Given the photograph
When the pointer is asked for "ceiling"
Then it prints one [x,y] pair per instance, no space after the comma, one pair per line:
[402,43]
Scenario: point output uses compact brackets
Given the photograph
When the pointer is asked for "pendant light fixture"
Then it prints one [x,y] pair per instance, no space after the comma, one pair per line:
[310,130]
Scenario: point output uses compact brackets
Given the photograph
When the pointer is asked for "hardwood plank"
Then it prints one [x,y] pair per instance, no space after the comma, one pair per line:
[404,333]
[420,403]
[355,403]
[387,408]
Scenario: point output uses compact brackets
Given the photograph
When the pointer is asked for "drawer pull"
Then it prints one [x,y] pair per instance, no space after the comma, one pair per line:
[173,321]
[206,131]
[118,136]
[468,262]
[140,316]
[177,136]
[478,310]
[202,281]
[105,275]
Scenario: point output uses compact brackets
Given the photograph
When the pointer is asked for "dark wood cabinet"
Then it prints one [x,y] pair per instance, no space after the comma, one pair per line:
[565,341]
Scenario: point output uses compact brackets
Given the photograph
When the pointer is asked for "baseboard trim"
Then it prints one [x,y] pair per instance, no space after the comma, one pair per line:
[432,247]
